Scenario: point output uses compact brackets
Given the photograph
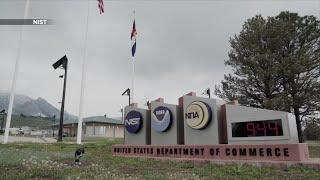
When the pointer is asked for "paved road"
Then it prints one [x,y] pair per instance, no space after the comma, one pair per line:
[29,139]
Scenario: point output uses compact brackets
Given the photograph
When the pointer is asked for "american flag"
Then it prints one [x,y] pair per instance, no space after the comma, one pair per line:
[101,6]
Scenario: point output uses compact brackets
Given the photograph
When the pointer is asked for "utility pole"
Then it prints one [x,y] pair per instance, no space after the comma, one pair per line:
[64,62]
[207,92]
[54,122]
[127,92]
[3,114]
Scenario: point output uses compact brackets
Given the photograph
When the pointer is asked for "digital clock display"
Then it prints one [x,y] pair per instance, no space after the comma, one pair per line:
[257,128]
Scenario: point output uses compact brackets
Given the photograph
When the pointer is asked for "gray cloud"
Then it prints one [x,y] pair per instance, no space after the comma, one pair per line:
[181,47]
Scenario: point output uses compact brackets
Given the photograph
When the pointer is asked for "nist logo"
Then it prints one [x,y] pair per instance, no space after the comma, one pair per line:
[133,121]
[39,21]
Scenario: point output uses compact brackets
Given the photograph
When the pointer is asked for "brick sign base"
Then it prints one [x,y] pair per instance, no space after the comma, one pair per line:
[257,152]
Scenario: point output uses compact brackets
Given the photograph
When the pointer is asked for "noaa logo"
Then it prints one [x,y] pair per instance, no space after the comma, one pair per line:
[133,121]
[197,115]
[161,119]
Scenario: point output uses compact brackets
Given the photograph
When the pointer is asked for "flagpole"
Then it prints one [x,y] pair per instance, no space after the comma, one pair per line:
[15,76]
[80,117]
[131,93]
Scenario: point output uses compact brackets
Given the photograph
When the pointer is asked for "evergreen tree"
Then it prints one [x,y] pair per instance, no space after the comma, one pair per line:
[276,65]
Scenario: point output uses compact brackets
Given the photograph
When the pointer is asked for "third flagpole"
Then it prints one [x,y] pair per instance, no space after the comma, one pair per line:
[132,85]
[15,76]
[79,133]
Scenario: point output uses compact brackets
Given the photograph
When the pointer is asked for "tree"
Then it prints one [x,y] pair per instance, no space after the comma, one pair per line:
[276,65]
[312,129]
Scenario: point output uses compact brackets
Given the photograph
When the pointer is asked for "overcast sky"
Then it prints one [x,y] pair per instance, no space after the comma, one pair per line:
[181,47]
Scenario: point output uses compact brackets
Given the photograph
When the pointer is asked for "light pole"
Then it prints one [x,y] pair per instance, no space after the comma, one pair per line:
[207,92]
[3,114]
[54,122]
[122,114]
[127,92]
[63,62]
[122,118]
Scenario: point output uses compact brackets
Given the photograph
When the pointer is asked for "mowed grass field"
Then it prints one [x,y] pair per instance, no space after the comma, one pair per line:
[56,161]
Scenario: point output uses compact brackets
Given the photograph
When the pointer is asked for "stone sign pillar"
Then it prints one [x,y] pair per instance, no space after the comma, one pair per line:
[137,125]
[247,125]
[202,119]
[166,123]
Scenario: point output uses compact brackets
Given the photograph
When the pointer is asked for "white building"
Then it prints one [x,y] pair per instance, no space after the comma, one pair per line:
[97,126]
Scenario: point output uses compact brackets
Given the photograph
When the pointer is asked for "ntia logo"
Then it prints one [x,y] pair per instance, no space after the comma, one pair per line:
[161,119]
[192,115]
[133,121]
[198,115]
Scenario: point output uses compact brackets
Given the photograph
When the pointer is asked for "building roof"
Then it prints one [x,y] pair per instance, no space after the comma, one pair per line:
[97,119]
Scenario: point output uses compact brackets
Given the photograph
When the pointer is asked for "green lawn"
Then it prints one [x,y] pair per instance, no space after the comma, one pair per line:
[55,161]
[314,149]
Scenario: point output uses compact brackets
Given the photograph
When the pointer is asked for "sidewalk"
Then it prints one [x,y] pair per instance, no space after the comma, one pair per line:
[14,139]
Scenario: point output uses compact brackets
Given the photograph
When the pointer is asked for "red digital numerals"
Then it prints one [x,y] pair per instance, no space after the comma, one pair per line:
[262,129]
[273,128]
[251,129]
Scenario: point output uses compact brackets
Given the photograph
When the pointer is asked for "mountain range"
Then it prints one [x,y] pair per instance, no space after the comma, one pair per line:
[25,106]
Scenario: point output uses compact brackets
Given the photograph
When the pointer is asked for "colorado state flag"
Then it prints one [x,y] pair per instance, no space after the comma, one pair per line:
[133,38]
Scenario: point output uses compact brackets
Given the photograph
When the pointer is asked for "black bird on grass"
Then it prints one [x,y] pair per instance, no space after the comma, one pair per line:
[78,154]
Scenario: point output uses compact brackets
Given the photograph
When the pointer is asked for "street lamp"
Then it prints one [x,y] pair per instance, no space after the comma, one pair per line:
[122,114]
[207,92]
[127,92]
[122,119]
[3,113]
[54,122]
[62,63]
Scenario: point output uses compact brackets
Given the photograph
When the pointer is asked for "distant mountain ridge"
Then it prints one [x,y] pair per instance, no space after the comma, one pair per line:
[32,107]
